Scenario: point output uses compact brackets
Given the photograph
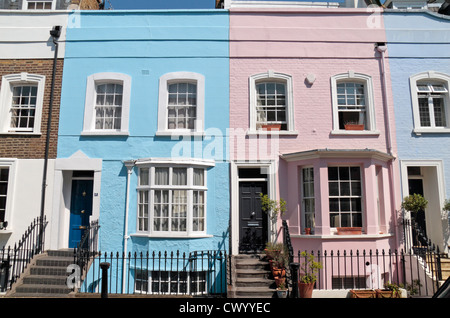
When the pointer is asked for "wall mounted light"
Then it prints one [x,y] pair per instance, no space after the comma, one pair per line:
[310,78]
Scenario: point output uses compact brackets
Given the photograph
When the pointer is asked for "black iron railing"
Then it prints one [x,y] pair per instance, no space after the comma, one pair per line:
[14,260]
[416,270]
[87,247]
[201,273]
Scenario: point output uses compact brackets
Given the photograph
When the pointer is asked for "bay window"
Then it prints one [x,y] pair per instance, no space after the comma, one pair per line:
[172,200]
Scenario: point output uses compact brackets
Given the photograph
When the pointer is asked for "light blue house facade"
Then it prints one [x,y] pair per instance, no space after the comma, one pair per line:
[419,61]
[142,138]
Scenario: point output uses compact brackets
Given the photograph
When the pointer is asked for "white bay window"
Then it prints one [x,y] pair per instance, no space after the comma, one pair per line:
[171,200]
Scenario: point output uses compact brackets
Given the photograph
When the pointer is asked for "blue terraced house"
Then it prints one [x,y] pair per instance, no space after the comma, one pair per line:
[143,137]
[418,52]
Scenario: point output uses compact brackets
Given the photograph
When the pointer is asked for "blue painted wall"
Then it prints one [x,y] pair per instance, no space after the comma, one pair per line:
[417,42]
[145,45]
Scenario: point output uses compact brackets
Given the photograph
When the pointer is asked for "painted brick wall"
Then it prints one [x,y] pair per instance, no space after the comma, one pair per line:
[33,146]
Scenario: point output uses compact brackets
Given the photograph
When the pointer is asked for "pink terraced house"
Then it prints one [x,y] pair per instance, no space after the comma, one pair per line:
[298,79]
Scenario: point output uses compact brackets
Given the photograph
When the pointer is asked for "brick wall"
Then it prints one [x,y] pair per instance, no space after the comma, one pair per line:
[33,147]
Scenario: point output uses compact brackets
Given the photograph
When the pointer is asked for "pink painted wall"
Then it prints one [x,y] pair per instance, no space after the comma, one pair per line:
[323,42]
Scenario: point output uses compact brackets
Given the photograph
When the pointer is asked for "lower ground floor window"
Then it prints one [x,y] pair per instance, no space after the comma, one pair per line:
[170,282]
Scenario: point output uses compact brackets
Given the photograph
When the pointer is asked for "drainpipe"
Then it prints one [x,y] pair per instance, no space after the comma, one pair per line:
[381,48]
[129,165]
[55,34]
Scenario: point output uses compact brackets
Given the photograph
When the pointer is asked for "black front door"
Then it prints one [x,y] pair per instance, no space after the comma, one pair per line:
[253,220]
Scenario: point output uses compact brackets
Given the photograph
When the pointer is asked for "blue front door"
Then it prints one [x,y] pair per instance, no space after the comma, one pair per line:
[80,209]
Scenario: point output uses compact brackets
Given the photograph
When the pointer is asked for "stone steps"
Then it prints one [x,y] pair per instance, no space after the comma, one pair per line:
[45,276]
[252,277]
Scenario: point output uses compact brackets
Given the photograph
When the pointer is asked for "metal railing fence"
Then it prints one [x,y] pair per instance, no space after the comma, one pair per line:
[14,260]
[416,269]
[201,273]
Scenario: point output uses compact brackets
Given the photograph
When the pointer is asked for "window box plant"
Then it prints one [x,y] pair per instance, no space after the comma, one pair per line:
[390,291]
[270,127]
[363,293]
[349,230]
[351,125]
[309,269]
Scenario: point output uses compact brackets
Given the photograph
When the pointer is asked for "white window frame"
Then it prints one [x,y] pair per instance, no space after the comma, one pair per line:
[8,81]
[90,102]
[304,198]
[10,164]
[429,77]
[174,77]
[190,165]
[275,77]
[361,196]
[366,80]
[25,4]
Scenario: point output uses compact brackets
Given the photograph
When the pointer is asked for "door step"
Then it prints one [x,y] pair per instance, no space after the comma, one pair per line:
[46,276]
[251,277]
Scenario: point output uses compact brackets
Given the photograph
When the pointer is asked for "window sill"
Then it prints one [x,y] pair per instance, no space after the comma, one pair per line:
[272,132]
[105,133]
[171,236]
[21,133]
[355,132]
[6,232]
[420,131]
[177,133]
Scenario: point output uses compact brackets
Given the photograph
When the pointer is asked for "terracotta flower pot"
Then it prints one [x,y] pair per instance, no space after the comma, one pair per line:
[349,231]
[305,289]
[362,293]
[279,281]
[271,127]
[354,127]
[278,272]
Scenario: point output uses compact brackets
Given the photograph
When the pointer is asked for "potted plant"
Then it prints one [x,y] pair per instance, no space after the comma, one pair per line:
[279,265]
[272,250]
[282,291]
[273,207]
[308,274]
[446,205]
[414,203]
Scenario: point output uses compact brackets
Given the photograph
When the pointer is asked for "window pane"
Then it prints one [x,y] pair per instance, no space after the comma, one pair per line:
[23,106]
[199,175]
[179,176]
[108,107]
[143,176]
[162,176]
[182,98]
[439,112]
[424,112]
[271,103]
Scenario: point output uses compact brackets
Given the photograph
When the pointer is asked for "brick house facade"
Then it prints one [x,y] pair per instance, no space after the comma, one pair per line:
[33,146]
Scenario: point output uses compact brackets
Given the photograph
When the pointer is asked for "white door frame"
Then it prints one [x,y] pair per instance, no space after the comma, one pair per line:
[270,169]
